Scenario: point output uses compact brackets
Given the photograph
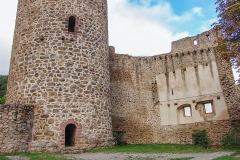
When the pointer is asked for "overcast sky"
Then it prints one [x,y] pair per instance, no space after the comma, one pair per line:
[136,27]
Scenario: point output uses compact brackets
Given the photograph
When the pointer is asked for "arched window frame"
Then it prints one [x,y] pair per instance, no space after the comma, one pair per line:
[65,27]
[183,108]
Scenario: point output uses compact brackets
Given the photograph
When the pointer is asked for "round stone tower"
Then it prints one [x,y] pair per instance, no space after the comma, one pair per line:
[60,65]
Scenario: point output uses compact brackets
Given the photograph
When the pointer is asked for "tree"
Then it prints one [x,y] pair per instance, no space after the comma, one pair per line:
[229,24]
[3,99]
[3,85]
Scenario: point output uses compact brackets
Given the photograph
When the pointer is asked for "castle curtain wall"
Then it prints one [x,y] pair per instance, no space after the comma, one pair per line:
[147,92]
[16,123]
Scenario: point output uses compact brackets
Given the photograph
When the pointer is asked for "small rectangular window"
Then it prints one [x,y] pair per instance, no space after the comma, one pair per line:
[208,107]
[187,111]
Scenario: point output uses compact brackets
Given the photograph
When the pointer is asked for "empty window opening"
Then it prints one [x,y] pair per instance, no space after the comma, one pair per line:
[172,92]
[195,42]
[208,107]
[70,135]
[71,24]
[209,37]
[187,111]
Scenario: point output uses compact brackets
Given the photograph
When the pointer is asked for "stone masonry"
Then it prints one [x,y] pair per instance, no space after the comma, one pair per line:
[135,93]
[68,90]
[16,123]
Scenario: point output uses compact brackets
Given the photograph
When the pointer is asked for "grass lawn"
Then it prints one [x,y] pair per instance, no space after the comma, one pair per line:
[36,156]
[3,158]
[155,148]
[137,148]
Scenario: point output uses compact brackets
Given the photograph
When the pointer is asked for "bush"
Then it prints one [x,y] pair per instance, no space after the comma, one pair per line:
[200,138]
[118,135]
[232,140]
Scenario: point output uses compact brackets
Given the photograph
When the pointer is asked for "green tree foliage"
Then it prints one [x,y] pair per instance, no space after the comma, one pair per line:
[3,99]
[3,88]
[229,23]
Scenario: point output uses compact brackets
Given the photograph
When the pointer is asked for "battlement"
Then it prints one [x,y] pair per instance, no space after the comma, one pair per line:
[201,41]
[184,54]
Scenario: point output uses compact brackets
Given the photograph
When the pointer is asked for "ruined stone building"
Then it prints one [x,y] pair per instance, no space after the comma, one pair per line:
[68,88]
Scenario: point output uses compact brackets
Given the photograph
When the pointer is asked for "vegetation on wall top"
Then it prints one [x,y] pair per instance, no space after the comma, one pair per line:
[229,17]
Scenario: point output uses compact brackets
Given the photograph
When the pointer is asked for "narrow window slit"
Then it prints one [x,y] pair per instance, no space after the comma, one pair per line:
[209,37]
[71,24]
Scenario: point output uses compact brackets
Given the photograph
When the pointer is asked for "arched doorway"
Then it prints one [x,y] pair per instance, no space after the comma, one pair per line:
[70,131]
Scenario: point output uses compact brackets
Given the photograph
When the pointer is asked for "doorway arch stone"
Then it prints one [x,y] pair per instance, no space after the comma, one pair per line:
[71,135]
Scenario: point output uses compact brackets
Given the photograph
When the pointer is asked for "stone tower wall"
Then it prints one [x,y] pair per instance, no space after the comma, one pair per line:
[65,75]
[137,107]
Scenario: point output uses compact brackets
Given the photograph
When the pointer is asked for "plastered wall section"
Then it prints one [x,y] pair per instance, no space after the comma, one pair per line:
[140,95]
[190,87]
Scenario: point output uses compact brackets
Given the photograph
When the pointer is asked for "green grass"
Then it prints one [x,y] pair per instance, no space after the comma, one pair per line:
[137,148]
[154,148]
[3,158]
[227,158]
[37,156]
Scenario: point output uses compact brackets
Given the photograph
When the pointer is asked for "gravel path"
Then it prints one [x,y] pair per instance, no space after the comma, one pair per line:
[124,156]
[165,156]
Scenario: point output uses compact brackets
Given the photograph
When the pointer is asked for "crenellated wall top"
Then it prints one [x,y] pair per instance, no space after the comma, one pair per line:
[205,41]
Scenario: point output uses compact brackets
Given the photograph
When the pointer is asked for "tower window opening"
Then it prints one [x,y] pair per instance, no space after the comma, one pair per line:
[71,24]
[208,108]
[70,135]
[195,42]
[209,37]
[187,111]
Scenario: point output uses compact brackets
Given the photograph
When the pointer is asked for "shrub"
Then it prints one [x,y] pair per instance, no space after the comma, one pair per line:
[200,138]
[231,140]
[118,135]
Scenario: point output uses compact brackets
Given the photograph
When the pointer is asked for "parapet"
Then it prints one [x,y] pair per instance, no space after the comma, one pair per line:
[202,41]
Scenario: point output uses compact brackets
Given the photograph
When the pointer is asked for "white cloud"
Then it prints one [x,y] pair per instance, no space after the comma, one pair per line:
[206,25]
[197,10]
[7,16]
[142,31]
[134,30]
